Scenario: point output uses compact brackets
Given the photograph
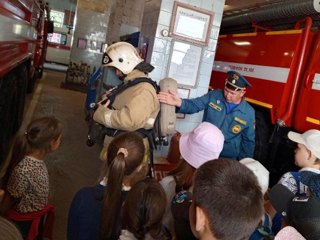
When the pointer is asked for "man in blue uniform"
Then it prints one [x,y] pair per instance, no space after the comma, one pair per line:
[228,110]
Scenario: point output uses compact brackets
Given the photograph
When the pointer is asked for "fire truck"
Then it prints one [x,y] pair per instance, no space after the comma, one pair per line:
[24,27]
[284,69]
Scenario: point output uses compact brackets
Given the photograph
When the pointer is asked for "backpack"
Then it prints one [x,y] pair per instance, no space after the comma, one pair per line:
[277,220]
[263,231]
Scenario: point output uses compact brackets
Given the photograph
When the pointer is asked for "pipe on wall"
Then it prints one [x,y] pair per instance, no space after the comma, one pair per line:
[283,11]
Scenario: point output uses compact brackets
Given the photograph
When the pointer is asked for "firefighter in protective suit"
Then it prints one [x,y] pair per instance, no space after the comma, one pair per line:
[137,106]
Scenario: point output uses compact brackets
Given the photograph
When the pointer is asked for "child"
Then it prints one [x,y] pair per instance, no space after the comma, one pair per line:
[288,233]
[27,179]
[227,201]
[143,212]
[94,212]
[307,157]
[204,143]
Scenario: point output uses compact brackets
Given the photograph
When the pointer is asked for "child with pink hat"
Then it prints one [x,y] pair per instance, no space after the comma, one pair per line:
[204,143]
[289,233]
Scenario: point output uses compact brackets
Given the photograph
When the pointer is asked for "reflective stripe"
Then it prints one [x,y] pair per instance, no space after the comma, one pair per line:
[151,121]
[107,118]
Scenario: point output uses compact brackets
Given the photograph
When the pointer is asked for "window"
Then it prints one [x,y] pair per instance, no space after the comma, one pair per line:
[57,17]
[58,38]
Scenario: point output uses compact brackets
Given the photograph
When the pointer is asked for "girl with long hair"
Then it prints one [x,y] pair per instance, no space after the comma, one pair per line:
[26,181]
[95,211]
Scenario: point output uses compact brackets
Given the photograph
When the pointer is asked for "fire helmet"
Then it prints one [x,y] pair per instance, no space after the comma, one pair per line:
[121,55]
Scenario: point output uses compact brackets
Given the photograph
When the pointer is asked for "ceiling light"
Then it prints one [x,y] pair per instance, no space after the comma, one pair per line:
[242,43]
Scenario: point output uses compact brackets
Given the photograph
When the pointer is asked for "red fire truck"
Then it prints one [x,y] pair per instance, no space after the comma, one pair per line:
[284,69]
[24,26]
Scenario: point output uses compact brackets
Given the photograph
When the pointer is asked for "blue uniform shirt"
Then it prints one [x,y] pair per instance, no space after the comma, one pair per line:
[237,126]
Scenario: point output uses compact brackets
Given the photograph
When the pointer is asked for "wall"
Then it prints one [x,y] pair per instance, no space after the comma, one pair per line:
[126,18]
[92,19]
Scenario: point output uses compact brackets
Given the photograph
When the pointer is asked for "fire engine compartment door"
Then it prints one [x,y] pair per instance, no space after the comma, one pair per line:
[307,110]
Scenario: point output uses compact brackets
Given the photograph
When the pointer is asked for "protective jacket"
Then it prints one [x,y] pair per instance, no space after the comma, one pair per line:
[237,126]
[134,108]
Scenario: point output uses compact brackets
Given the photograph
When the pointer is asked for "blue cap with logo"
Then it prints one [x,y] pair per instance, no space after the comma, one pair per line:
[236,81]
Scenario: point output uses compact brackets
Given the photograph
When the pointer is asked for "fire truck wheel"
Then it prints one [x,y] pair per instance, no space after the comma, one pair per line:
[32,82]
[40,72]
[22,81]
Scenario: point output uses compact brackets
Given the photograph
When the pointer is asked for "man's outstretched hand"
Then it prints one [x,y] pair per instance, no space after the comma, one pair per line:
[171,98]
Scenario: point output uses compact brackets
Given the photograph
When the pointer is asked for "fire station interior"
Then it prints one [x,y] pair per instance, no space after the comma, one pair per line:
[82,28]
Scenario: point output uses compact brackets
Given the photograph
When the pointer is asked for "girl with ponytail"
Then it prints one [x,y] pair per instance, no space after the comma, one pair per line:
[95,212]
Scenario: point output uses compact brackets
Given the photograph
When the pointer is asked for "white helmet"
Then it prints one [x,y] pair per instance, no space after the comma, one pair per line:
[123,56]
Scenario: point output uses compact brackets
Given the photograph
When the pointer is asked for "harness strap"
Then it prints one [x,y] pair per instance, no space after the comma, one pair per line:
[123,86]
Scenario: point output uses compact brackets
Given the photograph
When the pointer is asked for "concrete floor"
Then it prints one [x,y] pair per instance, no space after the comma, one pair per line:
[75,164]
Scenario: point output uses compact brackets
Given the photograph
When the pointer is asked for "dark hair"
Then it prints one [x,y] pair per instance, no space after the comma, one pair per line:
[38,135]
[144,211]
[183,175]
[117,166]
[229,194]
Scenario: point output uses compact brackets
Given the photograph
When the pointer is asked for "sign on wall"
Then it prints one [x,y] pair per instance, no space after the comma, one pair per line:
[190,23]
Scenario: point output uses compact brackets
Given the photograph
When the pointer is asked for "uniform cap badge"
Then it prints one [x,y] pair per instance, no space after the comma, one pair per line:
[235,78]
[236,81]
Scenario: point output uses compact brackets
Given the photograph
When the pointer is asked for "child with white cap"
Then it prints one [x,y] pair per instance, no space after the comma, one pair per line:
[259,171]
[204,143]
[307,157]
